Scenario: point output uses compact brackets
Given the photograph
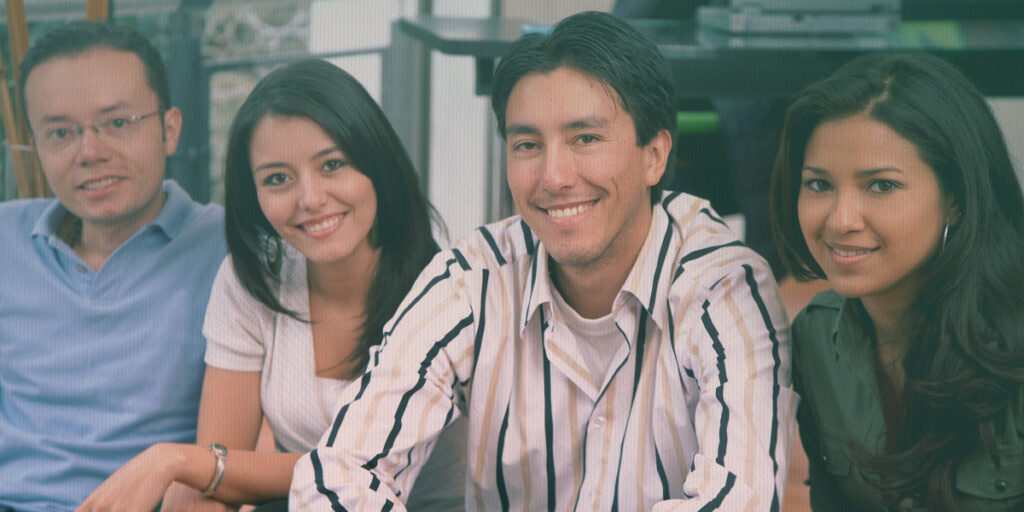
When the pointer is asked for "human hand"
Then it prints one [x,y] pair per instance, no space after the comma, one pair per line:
[139,485]
[180,497]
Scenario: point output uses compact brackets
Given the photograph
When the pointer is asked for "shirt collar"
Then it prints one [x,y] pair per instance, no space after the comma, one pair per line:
[170,220]
[49,221]
[852,337]
[648,281]
[174,215]
[651,277]
[538,289]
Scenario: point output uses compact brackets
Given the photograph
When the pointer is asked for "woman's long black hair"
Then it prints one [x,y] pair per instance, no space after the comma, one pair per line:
[325,94]
[965,360]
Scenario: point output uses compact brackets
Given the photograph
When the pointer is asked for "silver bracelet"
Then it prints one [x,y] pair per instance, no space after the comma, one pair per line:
[221,452]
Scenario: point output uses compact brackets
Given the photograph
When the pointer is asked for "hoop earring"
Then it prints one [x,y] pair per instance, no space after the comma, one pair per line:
[945,235]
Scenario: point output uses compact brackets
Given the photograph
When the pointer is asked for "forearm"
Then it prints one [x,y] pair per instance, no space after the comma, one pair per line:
[249,476]
[328,479]
[393,414]
[751,471]
[744,423]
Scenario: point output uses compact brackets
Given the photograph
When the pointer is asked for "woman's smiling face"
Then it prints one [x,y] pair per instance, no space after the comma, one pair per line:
[311,194]
[871,210]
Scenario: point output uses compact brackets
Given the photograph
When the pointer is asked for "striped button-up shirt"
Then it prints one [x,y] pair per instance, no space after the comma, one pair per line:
[695,413]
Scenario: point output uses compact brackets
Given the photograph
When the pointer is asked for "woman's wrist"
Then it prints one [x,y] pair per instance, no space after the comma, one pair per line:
[171,460]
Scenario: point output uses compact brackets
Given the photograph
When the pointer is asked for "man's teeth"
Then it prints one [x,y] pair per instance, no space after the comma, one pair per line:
[568,212]
[93,185]
[320,226]
[850,254]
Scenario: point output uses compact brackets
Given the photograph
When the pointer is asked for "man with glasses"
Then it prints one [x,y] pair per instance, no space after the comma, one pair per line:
[105,287]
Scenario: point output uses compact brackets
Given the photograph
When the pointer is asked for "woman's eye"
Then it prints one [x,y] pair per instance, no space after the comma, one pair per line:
[817,185]
[334,164]
[275,179]
[882,186]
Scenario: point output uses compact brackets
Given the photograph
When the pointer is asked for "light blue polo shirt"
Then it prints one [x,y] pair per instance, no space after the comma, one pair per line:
[97,366]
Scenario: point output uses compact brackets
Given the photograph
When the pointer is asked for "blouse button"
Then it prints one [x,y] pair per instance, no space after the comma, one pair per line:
[1001,486]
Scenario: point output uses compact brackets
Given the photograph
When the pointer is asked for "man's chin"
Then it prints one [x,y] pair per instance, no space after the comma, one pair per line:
[572,257]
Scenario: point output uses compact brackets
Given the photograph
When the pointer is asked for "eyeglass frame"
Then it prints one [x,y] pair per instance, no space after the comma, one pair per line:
[79,130]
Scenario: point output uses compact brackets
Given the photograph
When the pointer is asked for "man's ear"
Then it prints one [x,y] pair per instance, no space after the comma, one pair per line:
[172,130]
[657,151]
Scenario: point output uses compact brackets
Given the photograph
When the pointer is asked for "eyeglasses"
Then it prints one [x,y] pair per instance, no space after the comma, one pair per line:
[60,136]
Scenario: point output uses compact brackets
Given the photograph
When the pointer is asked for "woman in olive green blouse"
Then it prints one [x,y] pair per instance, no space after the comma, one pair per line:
[893,182]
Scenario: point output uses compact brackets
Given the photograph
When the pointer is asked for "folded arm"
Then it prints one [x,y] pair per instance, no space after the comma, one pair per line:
[737,347]
[392,417]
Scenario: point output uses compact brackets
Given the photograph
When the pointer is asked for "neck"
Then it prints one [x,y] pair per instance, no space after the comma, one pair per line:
[591,289]
[888,315]
[346,282]
[591,295]
[95,241]
[891,340]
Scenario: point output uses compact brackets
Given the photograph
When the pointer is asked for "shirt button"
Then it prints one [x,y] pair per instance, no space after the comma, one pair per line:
[824,458]
[599,421]
[81,268]
[905,505]
[1001,486]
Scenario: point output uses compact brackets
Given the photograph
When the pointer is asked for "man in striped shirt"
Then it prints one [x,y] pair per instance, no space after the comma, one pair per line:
[615,348]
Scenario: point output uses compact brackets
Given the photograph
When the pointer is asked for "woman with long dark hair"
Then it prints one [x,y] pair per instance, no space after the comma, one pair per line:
[893,182]
[327,230]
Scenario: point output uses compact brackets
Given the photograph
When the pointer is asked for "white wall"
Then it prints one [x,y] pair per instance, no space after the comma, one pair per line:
[547,11]
[1010,114]
[353,25]
[458,132]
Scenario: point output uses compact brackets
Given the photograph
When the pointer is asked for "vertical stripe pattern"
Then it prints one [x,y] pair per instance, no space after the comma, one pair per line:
[691,412]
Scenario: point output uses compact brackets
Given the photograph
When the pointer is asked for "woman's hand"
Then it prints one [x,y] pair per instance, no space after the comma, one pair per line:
[140,484]
[180,497]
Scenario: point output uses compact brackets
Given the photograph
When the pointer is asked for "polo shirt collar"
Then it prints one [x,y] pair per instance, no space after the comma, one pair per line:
[174,215]
[49,221]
